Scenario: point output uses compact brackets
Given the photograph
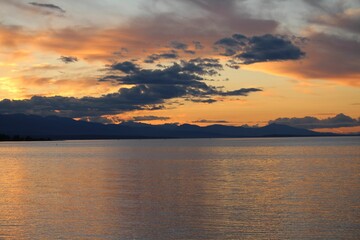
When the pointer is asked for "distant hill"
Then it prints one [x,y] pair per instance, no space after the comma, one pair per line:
[53,127]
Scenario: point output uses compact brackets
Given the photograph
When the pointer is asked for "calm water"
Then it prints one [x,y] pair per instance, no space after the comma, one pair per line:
[285,188]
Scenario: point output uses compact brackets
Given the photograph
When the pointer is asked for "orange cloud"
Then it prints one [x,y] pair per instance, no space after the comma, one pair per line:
[13,36]
[141,35]
[329,57]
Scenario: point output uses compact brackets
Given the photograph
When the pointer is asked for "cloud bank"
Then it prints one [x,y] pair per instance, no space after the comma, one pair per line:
[149,90]
[340,120]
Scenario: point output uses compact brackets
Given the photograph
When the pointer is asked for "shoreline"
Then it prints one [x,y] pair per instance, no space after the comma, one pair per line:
[48,139]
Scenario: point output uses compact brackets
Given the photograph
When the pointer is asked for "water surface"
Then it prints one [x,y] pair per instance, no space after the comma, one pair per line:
[273,188]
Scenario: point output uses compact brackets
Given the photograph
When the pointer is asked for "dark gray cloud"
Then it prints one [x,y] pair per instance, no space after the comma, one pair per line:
[125,67]
[156,57]
[190,72]
[198,45]
[263,48]
[185,47]
[68,59]
[149,118]
[270,48]
[240,92]
[122,52]
[201,100]
[230,45]
[182,79]
[48,6]
[150,90]
[308,122]
[192,52]
[210,121]
[233,64]
[179,45]
[140,97]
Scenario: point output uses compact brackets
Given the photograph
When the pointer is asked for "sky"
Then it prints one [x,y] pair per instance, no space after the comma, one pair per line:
[231,62]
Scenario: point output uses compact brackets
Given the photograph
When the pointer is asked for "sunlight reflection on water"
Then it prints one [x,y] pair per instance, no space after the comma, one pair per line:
[286,188]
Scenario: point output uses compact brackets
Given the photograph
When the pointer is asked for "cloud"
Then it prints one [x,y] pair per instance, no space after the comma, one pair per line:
[184,47]
[269,48]
[30,83]
[182,79]
[140,97]
[149,90]
[210,121]
[229,16]
[178,45]
[68,59]
[331,56]
[264,48]
[192,52]
[198,45]
[308,122]
[12,35]
[125,67]
[336,14]
[348,20]
[190,72]
[188,76]
[230,45]
[48,6]
[156,57]
[233,64]
[13,6]
[147,31]
[197,100]
[149,118]
[135,98]
[328,57]
[40,68]
[241,92]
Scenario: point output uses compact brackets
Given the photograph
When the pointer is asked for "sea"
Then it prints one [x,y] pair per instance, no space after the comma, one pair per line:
[248,188]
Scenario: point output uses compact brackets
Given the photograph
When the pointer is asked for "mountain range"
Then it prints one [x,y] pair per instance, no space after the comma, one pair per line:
[53,127]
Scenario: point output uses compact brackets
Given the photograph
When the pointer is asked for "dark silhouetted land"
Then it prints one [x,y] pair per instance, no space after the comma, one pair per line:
[30,127]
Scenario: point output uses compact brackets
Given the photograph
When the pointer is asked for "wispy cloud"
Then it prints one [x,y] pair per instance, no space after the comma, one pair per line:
[68,59]
[159,56]
[149,118]
[210,121]
[340,120]
[48,6]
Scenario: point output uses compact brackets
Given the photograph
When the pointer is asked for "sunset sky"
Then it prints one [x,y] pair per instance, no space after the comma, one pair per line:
[202,62]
